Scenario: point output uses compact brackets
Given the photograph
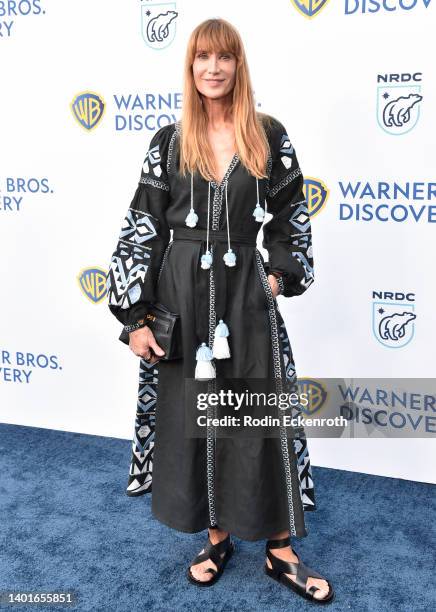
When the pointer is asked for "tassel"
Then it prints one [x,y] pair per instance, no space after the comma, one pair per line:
[220,348]
[206,260]
[230,258]
[191,218]
[259,213]
[204,369]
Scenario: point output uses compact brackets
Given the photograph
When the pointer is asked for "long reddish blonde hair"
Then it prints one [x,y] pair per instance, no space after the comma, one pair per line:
[251,142]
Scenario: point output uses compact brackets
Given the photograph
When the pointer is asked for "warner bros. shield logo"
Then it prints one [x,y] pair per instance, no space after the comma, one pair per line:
[158,23]
[315,391]
[88,108]
[316,194]
[398,107]
[393,323]
[92,282]
[309,8]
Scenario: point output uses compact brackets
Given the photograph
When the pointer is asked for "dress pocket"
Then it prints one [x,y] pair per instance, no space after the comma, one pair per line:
[262,282]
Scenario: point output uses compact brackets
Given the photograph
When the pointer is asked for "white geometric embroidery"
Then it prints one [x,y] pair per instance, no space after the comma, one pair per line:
[153,156]
[287,161]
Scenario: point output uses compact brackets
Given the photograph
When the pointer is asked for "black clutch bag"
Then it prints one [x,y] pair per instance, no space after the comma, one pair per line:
[165,326]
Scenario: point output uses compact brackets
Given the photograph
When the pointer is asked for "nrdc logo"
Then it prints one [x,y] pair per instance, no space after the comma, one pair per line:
[309,8]
[398,102]
[393,319]
[92,282]
[158,23]
[316,194]
[88,108]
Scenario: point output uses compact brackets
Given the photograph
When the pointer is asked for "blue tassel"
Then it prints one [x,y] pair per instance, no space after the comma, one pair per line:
[191,218]
[204,369]
[222,330]
[206,260]
[230,258]
[259,213]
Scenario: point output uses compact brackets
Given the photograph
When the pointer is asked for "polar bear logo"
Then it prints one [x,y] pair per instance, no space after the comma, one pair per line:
[393,327]
[397,112]
[158,27]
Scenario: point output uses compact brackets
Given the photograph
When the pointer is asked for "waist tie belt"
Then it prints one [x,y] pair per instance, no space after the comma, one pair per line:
[212,284]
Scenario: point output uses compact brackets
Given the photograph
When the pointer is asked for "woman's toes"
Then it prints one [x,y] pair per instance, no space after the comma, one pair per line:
[199,571]
[323,587]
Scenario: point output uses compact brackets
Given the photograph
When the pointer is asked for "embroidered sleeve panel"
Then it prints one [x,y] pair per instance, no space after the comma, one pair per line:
[143,238]
[288,235]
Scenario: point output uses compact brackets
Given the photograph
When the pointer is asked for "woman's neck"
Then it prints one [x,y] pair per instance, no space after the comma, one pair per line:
[218,112]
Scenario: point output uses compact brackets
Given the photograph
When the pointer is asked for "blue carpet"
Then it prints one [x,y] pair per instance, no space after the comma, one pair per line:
[66,524]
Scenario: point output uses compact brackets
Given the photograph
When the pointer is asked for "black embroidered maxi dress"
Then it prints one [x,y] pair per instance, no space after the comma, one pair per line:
[252,487]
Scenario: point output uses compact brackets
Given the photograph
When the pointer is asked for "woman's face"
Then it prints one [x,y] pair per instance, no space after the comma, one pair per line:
[214,73]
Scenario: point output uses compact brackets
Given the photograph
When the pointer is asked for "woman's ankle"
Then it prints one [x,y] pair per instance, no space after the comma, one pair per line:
[217,535]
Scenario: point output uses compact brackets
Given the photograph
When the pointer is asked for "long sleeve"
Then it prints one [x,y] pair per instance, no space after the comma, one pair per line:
[144,236]
[287,236]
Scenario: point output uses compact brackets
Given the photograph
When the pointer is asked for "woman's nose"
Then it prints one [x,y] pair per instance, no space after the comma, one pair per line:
[213,64]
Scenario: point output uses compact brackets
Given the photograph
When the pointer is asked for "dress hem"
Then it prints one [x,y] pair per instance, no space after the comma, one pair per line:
[266,534]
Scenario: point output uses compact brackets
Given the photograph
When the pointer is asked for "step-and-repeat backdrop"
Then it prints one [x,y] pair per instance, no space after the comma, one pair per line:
[353,81]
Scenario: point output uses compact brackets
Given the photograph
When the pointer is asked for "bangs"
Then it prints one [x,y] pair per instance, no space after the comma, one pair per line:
[215,37]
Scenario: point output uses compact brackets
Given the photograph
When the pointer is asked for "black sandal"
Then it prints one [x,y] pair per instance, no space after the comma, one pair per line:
[300,570]
[213,552]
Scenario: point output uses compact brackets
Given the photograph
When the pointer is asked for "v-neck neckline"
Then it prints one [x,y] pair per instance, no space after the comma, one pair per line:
[229,170]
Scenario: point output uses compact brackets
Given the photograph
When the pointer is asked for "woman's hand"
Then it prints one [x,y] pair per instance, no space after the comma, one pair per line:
[274,285]
[142,342]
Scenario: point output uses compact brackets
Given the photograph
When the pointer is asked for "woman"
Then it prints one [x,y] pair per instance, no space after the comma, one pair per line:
[206,178]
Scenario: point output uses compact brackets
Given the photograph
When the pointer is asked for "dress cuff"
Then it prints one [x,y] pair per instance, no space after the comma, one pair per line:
[131,327]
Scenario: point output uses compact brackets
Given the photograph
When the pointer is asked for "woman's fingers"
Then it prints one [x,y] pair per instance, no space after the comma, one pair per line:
[273,284]
[154,345]
[143,343]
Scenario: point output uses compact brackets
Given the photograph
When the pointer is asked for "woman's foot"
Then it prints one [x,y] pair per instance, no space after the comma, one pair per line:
[199,569]
[287,554]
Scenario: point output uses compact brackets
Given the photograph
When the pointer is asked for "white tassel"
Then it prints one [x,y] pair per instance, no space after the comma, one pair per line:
[205,369]
[191,218]
[220,348]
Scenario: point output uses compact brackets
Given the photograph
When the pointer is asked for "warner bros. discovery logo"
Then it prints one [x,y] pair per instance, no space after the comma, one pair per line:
[88,108]
[316,194]
[92,282]
[317,393]
[398,102]
[309,8]
[393,318]
[158,23]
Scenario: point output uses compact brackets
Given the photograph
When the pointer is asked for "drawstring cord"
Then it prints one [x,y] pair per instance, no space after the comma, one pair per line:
[206,259]
[192,217]
[229,257]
